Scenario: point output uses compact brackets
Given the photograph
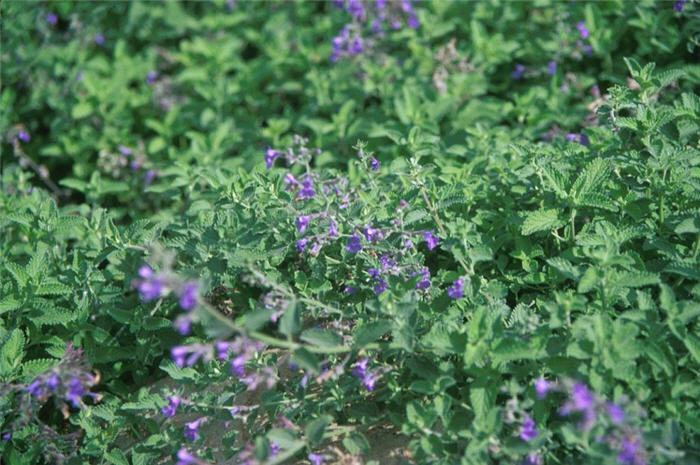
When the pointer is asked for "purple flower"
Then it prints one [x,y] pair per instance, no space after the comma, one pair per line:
[35,388]
[356,9]
[51,18]
[24,135]
[192,429]
[413,22]
[430,239]
[551,68]
[302,222]
[353,245]
[307,189]
[360,369]
[270,156]
[617,415]
[178,354]
[373,273]
[315,459]
[374,163]
[630,453]
[518,72]
[369,380]
[183,324]
[380,287]
[124,150]
[387,261]
[99,39]
[332,229]
[581,397]
[532,459]
[6,436]
[678,6]
[456,291]
[238,365]
[53,382]
[169,410]
[581,26]
[290,181]
[185,458]
[151,77]
[424,282]
[542,386]
[222,348]
[408,244]
[75,392]
[301,245]
[188,295]
[527,430]
[349,290]
[148,178]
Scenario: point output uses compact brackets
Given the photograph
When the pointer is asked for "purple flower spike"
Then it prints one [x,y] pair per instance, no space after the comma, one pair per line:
[51,18]
[617,415]
[99,39]
[518,72]
[169,410]
[145,271]
[456,291]
[527,430]
[301,245]
[353,245]
[307,189]
[581,397]
[148,178]
[151,77]
[183,324]
[24,135]
[270,156]
[380,287]
[678,6]
[192,429]
[532,459]
[238,366]
[430,239]
[332,228]
[315,459]
[35,388]
[581,26]
[542,387]
[630,452]
[551,68]
[75,392]
[53,382]
[349,290]
[185,458]
[369,380]
[360,369]
[188,295]
[178,354]
[374,163]
[302,222]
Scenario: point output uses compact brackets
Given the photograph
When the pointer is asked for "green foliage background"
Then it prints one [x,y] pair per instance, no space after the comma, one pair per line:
[582,260]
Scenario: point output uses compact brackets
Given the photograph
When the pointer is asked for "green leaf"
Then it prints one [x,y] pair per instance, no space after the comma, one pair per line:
[116,457]
[290,323]
[316,428]
[593,176]
[356,443]
[541,220]
[306,360]
[370,332]
[321,337]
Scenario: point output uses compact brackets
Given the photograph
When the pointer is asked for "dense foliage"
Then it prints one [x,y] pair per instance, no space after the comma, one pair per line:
[261,232]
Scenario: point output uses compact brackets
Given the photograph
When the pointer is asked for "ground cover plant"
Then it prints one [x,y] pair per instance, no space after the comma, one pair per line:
[240,232]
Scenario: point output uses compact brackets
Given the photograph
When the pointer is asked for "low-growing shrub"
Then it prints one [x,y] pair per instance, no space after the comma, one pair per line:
[270,232]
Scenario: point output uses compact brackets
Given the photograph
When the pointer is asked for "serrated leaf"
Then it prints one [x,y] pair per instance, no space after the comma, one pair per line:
[593,176]
[541,220]
[321,337]
[596,200]
[370,332]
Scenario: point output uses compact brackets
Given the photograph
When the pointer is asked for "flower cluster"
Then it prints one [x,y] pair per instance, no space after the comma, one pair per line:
[378,15]
[115,163]
[70,380]
[152,285]
[620,435]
